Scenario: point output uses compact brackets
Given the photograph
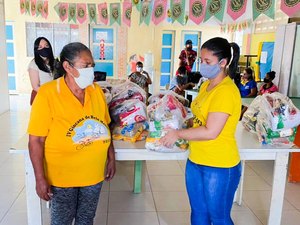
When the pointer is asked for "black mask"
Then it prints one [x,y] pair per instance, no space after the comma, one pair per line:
[44,52]
[266,80]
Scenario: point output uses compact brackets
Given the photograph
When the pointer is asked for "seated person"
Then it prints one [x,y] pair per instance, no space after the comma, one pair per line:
[247,86]
[141,77]
[268,87]
[179,83]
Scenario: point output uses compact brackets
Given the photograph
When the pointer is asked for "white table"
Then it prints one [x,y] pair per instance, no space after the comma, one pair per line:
[249,148]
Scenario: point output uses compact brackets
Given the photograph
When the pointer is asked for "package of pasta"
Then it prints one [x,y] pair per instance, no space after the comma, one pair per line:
[166,114]
[133,132]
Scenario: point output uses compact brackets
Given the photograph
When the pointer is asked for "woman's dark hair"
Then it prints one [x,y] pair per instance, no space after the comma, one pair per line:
[37,58]
[250,72]
[69,53]
[221,48]
[271,74]
[139,63]
[181,70]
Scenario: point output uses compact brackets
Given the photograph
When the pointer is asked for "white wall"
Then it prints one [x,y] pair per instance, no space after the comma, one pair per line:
[4,100]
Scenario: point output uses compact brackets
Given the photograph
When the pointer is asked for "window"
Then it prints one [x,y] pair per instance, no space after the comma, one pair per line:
[238,38]
[58,34]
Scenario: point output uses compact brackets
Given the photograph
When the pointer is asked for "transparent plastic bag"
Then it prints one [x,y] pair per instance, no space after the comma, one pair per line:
[133,132]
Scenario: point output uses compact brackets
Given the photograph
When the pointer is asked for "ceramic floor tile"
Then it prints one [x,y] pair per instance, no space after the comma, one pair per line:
[293,187]
[15,218]
[171,201]
[293,197]
[100,218]
[127,201]
[242,207]
[169,168]
[263,168]
[289,217]
[248,170]
[103,203]
[174,218]
[256,183]
[167,183]
[144,218]
[260,200]
[245,217]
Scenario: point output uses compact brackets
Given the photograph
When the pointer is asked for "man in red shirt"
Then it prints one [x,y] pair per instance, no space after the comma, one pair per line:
[188,56]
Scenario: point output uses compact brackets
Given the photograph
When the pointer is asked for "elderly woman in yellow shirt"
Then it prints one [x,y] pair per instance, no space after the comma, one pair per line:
[69,139]
[213,168]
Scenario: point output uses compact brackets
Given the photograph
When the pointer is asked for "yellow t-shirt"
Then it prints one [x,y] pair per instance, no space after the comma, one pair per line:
[222,151]
[78,136]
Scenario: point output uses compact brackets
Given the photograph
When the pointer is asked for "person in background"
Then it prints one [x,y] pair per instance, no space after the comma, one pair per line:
[179,83]
[70,143]
[247,86]
[188,56]
[269,86]
[213,168]
[141,77]
[41,68]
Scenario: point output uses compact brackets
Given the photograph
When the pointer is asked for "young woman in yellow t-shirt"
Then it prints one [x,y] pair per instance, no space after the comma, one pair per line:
[213,169]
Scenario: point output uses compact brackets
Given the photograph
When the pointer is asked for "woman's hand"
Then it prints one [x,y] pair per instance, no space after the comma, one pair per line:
[43,189]
[170,138]
[110,169]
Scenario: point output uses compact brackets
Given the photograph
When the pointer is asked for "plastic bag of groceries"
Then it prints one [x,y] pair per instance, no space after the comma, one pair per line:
[273,117]
[156,98]
[125,91]
[165,114]
[133,132]
[128,112]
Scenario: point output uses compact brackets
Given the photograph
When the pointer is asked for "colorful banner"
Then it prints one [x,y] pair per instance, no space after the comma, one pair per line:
[197,10]
[115,13]
[22,6]
[103,14]
[145,13]
[215,8]
[137,4]
[62,11]
[127,10]
[92,13]
[33,7]
[230,28]
[45,10]
[159,11]
[27,6]
[178,11]
[290,7]
[81,12]
[72,12]
[263,7]
[39,7]
[236,8]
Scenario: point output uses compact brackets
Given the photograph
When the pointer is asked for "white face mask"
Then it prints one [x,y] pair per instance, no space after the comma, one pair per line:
[139,69]
[86,77]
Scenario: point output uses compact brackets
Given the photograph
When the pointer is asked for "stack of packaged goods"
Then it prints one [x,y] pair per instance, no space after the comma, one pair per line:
[274,118]
[128,112]
[167,113]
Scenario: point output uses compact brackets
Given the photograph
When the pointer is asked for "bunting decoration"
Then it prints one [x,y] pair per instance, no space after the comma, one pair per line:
[33,7]
[263,7]
[236,8]
[39,7]
[81,12]
[45,10]
[27,6]
[72,12]
[290,7]
[230,28]
[145,13]
[159,12]
[92,13]
[177,11]
[103,14]
[137,4]
[22,6]
[127,9]
[215,8]
[115,16]
[197,10]
[62,11]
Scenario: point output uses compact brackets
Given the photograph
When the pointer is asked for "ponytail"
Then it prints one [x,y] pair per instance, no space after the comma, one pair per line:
[233,66]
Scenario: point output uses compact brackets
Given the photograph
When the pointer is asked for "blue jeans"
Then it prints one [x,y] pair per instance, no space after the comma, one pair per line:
[211,192]
[79,203]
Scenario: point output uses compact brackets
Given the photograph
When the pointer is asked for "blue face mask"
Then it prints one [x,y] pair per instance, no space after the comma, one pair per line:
[210,71]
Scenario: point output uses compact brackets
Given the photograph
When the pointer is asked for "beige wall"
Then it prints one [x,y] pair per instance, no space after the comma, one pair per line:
[4,106]
[140,40]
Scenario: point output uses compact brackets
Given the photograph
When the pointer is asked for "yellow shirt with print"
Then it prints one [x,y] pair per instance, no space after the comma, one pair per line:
[222,151]
[78,135]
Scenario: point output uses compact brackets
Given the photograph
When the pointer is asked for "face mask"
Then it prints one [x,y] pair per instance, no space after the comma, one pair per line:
[86,77]
[266,80]
[139,69]
[44,52]
[210,71]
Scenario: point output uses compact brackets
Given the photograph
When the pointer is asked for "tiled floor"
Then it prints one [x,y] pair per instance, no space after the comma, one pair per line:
[163,200]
